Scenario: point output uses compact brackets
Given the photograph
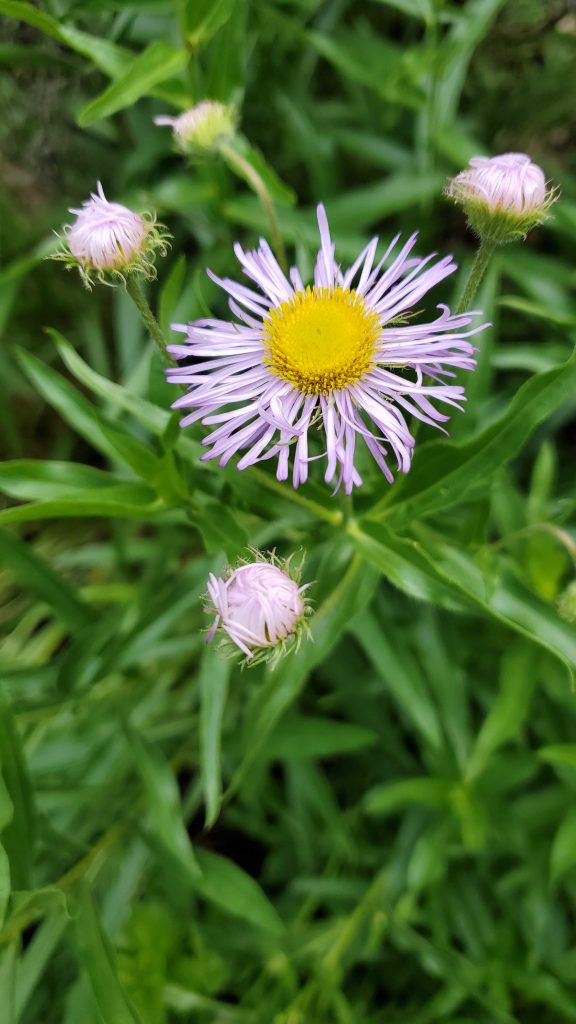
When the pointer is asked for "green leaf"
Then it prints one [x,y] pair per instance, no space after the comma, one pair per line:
[171,291]
[390,797]
[297,737]
[559,753]
[30,14]
[109,438]
[132,501]
[34,573]
[448,577]
[5,887]
[67,400]
[507,713]
[157,63]
[225,72]
[203,18]
[278,191]
[150,415]
[362,208]
[214,677]
[381,152]
[97,961]
[28,905]
[542,482]
[444,474]
[537,310]
[283,684]
[362,56]
[163,801]
[37,957]
[107,56]
[229,887]
[19,831]
[131,452]
[8,968]
[213,877]
[401,676]
[110,58]
[405,564]
[563,853]
[471,25]
[6,805]
[423,9]
[34,479]
[220,528]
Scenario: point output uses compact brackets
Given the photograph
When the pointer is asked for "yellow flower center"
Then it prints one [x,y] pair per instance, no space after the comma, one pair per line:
[321,339]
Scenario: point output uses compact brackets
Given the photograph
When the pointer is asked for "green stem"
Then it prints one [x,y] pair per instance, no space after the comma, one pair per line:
[246,171]
[346,503]
[483,257]
[136,293]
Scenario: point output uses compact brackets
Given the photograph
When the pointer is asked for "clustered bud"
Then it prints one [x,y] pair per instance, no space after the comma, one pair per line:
[199,130]
[107,240]
[259,607]
[504,197]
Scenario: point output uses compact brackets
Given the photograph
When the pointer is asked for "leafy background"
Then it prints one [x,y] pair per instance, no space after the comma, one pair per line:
[383,829]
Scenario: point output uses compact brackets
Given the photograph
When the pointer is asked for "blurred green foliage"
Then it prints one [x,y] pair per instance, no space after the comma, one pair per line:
[383,829]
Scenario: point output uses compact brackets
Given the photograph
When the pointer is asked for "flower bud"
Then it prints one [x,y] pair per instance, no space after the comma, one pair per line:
[109,241]
[503,197]
[259,607]
[199,130]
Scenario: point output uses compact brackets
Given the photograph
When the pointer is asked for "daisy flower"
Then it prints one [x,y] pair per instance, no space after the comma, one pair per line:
[338,359]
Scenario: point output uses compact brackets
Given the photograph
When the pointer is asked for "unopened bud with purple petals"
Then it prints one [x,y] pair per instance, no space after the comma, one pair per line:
[109,241]
[504,197]
[199,130]
[259,608]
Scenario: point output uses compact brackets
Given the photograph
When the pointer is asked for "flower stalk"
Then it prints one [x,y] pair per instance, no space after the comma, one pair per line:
[479,267]
[257,184]
[136,293]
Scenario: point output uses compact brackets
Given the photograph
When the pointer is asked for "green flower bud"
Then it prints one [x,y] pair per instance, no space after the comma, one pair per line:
[198,131]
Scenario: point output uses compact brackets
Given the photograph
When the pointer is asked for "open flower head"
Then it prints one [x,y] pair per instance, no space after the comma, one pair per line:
[309,371]
[259,608]
[199,130]
[503,197]
[108,241]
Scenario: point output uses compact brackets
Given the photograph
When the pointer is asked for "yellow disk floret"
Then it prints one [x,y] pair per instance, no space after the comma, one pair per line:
[321,339]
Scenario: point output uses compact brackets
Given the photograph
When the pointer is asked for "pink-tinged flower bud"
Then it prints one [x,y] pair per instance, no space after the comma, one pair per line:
[109,241]
[199,130]
[259,606]
[503,197]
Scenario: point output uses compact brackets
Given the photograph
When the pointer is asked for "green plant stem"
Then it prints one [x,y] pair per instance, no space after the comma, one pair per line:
[246,171]
[136,293]
[479,267]
[346,503]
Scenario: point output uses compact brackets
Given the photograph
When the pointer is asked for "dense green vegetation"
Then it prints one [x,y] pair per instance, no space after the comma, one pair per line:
[382,830]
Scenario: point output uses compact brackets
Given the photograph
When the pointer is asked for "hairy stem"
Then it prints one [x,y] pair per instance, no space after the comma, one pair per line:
[479,267]
[136,293]
[246,171]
